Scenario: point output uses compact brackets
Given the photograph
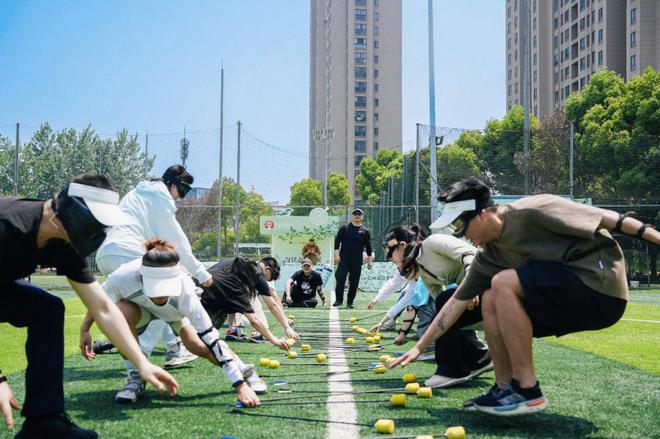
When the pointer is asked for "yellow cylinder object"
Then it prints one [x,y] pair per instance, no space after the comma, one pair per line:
[273,364]
[384,358]
[389,360]
[355,327]
[362,331]
[425,436]
[291,341]
[374,347]
[398,400]
[455,432]
[409,378]
[264,361]
[384,426]
[412,387]
[292,354]
[350,340]
[425,392]
[380,369]
[320,358]
[352,319]
[369,339]
[305,347]
[376,338]
[291,317]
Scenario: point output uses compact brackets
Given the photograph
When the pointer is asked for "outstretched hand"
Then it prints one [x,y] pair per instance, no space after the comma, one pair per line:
[7,404]
[406,358]
[160,379]
[86,346]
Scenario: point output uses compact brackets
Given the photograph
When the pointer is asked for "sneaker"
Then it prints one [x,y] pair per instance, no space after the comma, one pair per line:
[253,380]
[513,401]
[390,325]
[53,426]
[337,303]
[179,358]
[234,334]
[101,347]
[441,381]
[133,390]
[256,338]
[426,356]
[485,364]
[350,305]
[470,406]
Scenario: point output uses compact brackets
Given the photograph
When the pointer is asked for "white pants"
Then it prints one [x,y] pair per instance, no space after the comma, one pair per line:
[157,328]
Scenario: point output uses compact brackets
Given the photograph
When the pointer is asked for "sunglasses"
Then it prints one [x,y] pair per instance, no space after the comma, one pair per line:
[183,188]
[460,226]
[389,250]
[274,273]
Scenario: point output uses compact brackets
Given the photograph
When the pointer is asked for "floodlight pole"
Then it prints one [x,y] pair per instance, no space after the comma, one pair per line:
[432,145]
[238,187]
[526,86]
[16,158]
[222,122]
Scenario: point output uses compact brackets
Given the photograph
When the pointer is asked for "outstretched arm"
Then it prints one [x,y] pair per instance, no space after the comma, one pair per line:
[629,226]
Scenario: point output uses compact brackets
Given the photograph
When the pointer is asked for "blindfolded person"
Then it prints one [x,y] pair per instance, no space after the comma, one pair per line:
[546,266]
[350,242]
[59,233]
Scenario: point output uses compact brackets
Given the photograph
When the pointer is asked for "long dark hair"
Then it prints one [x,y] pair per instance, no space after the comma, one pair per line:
[413,235]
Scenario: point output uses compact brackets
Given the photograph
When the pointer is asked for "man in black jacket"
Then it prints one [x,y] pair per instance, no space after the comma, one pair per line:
[351,240]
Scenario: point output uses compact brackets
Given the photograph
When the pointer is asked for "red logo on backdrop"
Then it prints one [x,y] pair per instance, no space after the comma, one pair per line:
[269,225]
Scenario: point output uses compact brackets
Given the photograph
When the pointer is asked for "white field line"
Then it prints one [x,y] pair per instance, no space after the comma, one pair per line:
[339,412]
[641,320]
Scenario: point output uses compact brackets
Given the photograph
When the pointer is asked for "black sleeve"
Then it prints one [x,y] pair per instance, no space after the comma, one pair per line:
[339,236]
[296,276]
[318,281]
[367,241]
[74,267]
[262,286]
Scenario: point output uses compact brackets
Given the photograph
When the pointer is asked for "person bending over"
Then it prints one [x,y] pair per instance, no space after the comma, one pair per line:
[547,266]
[59,233]
[154,287]
[302,287]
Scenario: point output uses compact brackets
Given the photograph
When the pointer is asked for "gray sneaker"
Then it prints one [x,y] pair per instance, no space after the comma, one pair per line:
[390,325]
[179,358]
[253,380]
[133,390]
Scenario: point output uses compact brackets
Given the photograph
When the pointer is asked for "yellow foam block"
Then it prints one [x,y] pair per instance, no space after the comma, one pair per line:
[425,392]
[305,347]
[355,327]
[384,426]
[292,354]
[412,387]
[384,358]
[380,369]
[320,358]
[291,317]
[291,341]
[455,433]
[350,340]
[274,364]
[410,378]
[264,361]
[369,340]
[398,400]
[376,338]
[352,319]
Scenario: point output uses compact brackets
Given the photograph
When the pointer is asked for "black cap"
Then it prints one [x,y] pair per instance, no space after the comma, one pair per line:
[358,211]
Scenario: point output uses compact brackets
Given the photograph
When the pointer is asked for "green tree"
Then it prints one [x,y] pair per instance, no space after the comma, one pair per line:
[7,160]
[338,192]
[306,192]
[375,174]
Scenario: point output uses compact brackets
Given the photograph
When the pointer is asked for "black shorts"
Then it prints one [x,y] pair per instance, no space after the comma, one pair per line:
[558,302]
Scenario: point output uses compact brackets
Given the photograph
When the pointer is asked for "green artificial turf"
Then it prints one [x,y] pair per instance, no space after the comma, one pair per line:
[599,384]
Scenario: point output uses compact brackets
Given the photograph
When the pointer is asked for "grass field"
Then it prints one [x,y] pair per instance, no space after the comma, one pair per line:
[599,384]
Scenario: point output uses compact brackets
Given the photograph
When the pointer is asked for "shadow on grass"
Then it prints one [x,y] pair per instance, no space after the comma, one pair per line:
[544,424]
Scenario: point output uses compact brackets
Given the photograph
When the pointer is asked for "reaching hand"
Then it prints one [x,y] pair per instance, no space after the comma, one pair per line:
[406,358]
[208,283]
[376,327]
[7,403]
[160,379]
[247,396]
[400,339]
[372,304]
[369,263]
[472,304]
[291,333]
[281,343]
[86,346]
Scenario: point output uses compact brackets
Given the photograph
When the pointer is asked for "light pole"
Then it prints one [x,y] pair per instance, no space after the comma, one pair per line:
[324,134]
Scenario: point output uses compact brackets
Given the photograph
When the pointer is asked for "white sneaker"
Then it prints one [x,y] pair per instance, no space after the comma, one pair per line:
[133,390]
[179,358]
[441,381]
[390,325]
[427,356]
[253,380]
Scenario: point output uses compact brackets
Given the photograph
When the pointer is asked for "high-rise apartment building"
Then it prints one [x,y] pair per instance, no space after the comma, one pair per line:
[355,83]
[570,40]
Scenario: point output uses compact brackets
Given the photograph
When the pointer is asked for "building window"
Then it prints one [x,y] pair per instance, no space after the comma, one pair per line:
[360,72]
[600,57]
[358,159]
[583,65]
[360,29]
[376,2]
[360,116]
[375,44]
[583,23]
[633,62]
[376,30]
[360,2]
[360,146]
[360,43]
[376,88]
[375,73]
[375,16]
[535,59]
[375,59]
[376,117]
[376,102]
[633,39]
[508,91]
[633,16]
[600,36]
[600,15]
[508,74]
[360,87]
[361,14]
[583,44]
[583,4]
[360,131]
[361,101]
[375,131]
[375,146]
[360,57]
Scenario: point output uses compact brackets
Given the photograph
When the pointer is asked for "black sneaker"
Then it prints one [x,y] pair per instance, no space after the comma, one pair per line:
[513,401]
[103,346]
[350,305]
[337,303]
[470,406]
[53,426]
[235,334]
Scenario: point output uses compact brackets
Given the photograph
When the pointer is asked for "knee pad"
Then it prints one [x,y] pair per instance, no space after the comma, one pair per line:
[222,355]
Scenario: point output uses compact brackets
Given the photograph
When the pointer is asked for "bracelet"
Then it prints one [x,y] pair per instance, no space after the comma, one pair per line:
[3,379]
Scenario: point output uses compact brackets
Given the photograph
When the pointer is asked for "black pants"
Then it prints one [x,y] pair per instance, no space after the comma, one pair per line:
[25,305]
[457,351]
[353,270]
[307,303]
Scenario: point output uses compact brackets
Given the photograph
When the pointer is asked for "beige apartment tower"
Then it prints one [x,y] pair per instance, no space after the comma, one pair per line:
[570,40]
[355,83]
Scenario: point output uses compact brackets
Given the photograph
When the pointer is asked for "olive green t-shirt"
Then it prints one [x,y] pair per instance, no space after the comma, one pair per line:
[553,229]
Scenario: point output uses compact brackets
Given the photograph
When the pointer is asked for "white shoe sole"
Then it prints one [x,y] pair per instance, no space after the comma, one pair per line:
[533,406]
[180,361]
[449,383]
[486,368]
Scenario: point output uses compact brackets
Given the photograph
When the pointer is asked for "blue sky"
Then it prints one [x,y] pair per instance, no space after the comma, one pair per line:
[153,66]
